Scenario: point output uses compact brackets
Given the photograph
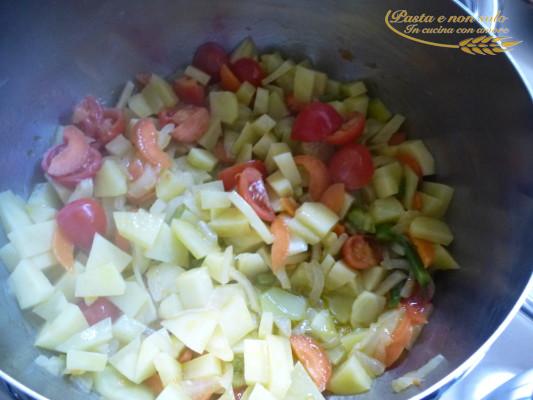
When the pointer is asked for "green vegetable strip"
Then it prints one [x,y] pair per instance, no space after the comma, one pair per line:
[384,233]
[394,294]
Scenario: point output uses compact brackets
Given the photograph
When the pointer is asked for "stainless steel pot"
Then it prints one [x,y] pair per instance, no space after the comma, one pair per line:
[474,113]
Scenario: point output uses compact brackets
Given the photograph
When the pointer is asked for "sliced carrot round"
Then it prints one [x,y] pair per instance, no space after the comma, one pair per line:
[333,197]
[280,246]
[357,253]
[318,174]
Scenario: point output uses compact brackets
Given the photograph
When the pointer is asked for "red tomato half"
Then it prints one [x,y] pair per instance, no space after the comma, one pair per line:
[101,123]
[210,57]
[230,175]
[100,309]
[189,91]
[352,165]
[252,188]
[249,70]
[349,132]
[80,220]
[316,122]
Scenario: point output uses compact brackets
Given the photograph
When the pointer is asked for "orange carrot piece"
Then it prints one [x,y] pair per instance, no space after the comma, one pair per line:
[154,384]
[425,249]
[63,250]
[401,336]
[318,174]
[411,162]
[417,201]
[289,205]
[333,197]
[228,80]
[280,247]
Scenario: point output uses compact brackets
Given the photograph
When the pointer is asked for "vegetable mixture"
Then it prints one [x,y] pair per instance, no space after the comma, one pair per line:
[249,229]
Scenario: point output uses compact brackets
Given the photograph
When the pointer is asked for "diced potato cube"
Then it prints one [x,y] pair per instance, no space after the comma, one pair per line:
[32,240]
[194,328]
[350,378]
[168,368]
[431,229]
[105,252]
[13,213]
[386,210]
[197,74]
[132,300]
[260,393]
[201,159]
[224,105]
[245,93]
[302,386]
[194,240]
[304,80]
[339,275]
[69,322]
[202,367]
[280,365]
[287,167]
[125,360]
[173,392]
[167,248]
[90,338]
[9,256]
[52,306]
[235,319]
[138,104]
[219,346]
[255,222]
[261,101]
[366,308]
[256,361]
[161,280]
[119,146]
[83,361]
[211,199]
[230,222]
[43,203]
[194,287]
[110,180]
[251,264]
[299,229]
[30,285]
[418,150]
[104,280]
[139,227]
[170,185]
[317,217]
[125,329]
[170,307]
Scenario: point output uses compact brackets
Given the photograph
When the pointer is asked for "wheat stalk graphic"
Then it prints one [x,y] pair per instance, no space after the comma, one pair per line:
[486,45]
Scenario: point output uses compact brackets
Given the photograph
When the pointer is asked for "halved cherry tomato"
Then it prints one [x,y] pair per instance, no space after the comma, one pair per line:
[400,338]
[294,105]
[314,359]
[280,246]
[191,123]
[352,165]
[349,131]
[91,162]
[248,70]
[146,141]
[318,174]
[210,57]
[222,154]
[189,91]
[230,175]
[357,253]
[228,80]
[411,162]
[252,188]
[72,156]
[397,138]
[98,122]
[63,250]
[100,309]
[80,220]
[333,197]
[316,122]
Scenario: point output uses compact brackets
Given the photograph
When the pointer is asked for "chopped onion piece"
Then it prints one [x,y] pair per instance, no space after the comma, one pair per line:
[164,138]
[144,183]
[284,325]
[316,277]
[337,244]
[371,365]
[84,189]
[389,282]
[395,263]
[242,280]
[407,288]
[417,376]
[283,278]
[54,365]
[129,87]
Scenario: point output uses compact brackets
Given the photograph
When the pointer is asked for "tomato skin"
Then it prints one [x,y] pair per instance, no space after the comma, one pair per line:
[357,253]
[318,174]
[349,131]
[230,176]
[101,123]
[191,123]
[352,165]
[80,220]
[228,80]
[313,358]
[248,70]
[316,122]
[252,189]
[189,91]
[294,105]
[210,57]
[100,309]
[145,140]
[416,307]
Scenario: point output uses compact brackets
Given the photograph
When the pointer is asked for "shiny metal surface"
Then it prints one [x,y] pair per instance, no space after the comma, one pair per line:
[474,113]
